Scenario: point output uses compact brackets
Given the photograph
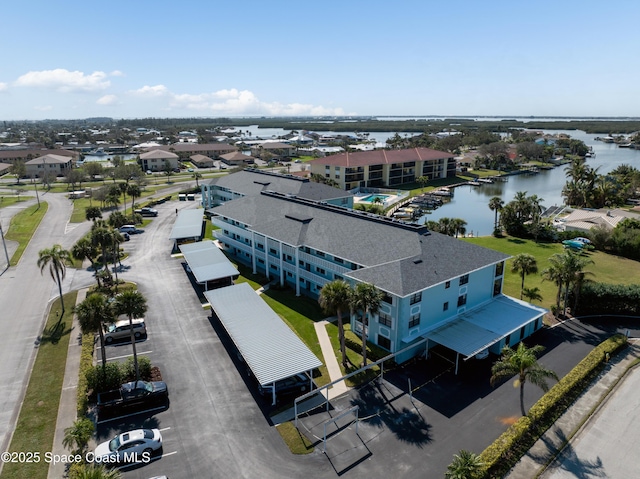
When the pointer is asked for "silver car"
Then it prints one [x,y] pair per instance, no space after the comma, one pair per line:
[121,330]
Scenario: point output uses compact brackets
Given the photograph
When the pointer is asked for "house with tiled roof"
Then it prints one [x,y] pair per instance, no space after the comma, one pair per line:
[274,148]
[584,220]
[384,168]
[185,150]
[437,290]
[55,165]
[157,160]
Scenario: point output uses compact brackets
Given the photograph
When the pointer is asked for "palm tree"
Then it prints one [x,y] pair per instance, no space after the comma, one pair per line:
[524,264]
[197,176]
[85,249]
[566,269]
[115,238]
[523,363]
[532,294]
[465,465]
[93,471]
[77,436]
[93,313]
[134,192]
[458,226]
[134,305]
[366,298]
[57,259]
[334,299]
[496,204]
[91,213]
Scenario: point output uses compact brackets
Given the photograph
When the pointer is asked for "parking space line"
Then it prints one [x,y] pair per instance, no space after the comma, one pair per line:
[161,408]
[128,355]
[153,459]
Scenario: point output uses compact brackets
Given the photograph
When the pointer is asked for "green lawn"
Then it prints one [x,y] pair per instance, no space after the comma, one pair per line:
[22,227]
[36,424]
[606,268]
[11,200]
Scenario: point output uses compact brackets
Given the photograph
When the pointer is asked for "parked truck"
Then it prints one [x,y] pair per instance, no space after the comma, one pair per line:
[135,395]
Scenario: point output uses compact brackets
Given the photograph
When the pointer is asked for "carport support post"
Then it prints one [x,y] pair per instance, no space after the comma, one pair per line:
[457,357]
[273,394]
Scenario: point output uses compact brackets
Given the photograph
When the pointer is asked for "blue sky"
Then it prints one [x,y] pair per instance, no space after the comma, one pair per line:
[135,59]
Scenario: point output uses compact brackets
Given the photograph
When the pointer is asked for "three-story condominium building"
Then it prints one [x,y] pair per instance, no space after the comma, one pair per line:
[389,168]
[437,289]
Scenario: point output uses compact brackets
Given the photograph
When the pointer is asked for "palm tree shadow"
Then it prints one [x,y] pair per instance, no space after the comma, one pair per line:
[53,334]
[568,459]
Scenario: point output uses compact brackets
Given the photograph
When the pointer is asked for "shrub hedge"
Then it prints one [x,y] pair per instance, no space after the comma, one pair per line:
[505,451]
[603,298]
[86,364]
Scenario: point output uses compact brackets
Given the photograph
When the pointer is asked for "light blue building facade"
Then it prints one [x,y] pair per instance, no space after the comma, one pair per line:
[437,289]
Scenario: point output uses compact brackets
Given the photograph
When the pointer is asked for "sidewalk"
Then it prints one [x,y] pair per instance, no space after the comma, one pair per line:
[333,368]
[68,397]
[551,443]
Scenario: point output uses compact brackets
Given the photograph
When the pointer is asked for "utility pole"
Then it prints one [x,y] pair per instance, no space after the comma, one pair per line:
[5,245]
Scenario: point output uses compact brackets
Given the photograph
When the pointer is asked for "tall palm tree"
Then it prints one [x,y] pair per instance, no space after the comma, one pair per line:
[196,175]
[85,249]
[115,238]
[93,313]
[57,259]
[524,264]
[366,298]
[458,226]
[134,192]
[134,305]
[523,363]
[566,268]
[495,205]
[334,299]
[465,465]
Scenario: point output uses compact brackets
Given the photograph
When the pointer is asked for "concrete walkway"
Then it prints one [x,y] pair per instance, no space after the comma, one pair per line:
[330,359]
[568,425]
[67,411]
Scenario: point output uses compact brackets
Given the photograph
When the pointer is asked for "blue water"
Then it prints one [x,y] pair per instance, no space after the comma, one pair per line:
[471,203]
[372,198]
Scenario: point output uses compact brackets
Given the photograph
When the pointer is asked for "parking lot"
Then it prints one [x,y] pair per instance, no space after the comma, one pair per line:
[214,426]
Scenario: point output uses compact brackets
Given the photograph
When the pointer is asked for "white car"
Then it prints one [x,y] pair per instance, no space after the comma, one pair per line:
[131,446]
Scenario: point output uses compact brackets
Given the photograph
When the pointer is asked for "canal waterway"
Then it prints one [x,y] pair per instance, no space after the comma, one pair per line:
[471,202]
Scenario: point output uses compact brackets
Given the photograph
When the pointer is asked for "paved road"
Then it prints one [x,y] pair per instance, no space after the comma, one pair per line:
[24,295]
[607,445]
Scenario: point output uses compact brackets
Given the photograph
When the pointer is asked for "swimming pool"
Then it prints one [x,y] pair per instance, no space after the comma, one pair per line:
[372,198]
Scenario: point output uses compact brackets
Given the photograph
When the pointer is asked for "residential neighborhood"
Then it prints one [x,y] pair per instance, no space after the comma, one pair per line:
[239,289]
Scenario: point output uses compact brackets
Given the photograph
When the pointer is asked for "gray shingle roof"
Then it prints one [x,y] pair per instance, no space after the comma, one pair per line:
[251,182]
[442,258]
[398,258]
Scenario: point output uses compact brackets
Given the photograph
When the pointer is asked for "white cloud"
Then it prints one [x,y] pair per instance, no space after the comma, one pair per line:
[158,90]
[116,73]
[43,108]
[3,86]
[107,100]
[64,80]
[229,102]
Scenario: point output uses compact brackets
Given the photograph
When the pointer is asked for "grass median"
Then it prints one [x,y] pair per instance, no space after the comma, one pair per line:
[36,424]
[22,227]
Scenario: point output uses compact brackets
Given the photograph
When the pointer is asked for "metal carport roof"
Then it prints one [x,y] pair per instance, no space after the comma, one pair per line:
[207,262]
[477,329]
[188,224]
[269,347]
